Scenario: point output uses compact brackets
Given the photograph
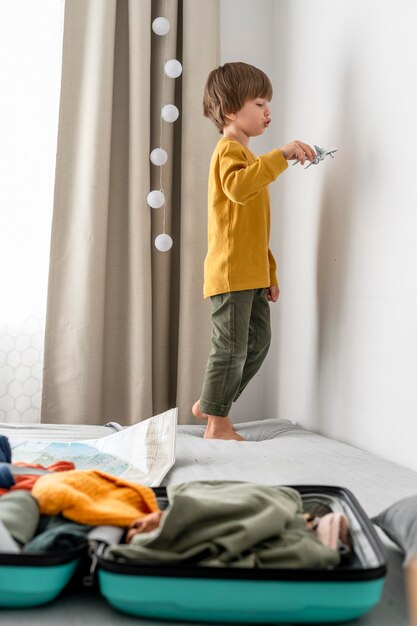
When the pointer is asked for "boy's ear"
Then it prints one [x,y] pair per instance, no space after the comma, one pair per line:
[231,116]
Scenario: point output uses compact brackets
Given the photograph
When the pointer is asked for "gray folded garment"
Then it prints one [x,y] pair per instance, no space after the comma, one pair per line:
[19,512]
[399,521]
[224,524]
[108,535]
[7,544]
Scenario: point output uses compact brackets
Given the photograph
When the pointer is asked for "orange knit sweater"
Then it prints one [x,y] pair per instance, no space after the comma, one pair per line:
[93,497]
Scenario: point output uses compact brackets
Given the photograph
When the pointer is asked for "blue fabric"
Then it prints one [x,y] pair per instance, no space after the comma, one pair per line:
[6,477]
[5,450]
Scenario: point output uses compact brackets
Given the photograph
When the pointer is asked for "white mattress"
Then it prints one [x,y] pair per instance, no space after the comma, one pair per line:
[275,452]
[282,453]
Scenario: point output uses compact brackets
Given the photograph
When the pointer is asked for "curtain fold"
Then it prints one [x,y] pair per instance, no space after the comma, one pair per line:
[127,330]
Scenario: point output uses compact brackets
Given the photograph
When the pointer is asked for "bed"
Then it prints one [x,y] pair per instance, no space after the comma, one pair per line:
[275,452]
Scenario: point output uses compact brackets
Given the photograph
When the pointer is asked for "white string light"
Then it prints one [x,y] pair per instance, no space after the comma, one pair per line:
[160,26]
[163,242]
[159,156]
[169,113]
[156,199]
[173,68]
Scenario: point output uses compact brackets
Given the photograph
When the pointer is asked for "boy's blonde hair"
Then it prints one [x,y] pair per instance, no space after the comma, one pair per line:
[229,86]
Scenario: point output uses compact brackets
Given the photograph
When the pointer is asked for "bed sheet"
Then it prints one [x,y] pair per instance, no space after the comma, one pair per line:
[275,452]
[280,452]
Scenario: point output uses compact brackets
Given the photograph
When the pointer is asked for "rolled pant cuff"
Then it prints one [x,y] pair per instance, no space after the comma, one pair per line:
[213,408]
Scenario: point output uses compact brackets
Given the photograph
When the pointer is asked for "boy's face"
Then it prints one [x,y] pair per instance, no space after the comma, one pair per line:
[253,118]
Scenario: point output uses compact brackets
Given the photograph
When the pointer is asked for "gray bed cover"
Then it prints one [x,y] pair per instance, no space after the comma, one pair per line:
[276,452]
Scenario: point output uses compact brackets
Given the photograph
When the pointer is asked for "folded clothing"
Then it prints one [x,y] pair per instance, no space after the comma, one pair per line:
[93,497]
[11,480]
[5,450]
[105,534]
[19,512]
[6,476]
[58,534]
[399,521]
[333,530]
[223,523]
[7,543]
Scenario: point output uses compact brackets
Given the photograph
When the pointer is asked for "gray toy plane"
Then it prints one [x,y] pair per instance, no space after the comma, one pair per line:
[321,154]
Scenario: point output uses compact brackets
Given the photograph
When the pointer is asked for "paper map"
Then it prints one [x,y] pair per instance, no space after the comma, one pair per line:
[142,453]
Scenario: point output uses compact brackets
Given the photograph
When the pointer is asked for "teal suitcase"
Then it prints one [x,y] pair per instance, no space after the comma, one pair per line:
[241,595]
[28,580]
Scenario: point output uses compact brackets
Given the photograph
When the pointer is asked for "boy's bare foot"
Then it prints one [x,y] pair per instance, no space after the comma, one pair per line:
[221,428]
[230,435]
[217,427]
[196,411]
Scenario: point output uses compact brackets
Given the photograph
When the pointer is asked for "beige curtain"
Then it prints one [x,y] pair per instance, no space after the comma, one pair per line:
[127,329]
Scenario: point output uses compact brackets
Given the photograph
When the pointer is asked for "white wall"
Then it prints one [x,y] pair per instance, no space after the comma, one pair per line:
[246,36]
[343,361]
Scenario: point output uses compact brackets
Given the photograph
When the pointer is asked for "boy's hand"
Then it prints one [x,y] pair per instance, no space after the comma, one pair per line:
[298,150]
[272,293]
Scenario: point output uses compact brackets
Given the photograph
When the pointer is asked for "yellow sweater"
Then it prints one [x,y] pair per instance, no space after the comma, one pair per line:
[238,254]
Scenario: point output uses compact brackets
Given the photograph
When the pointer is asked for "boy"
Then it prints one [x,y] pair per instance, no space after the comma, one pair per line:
[239,270]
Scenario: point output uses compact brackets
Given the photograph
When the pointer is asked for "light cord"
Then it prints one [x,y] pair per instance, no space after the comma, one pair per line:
[161,120]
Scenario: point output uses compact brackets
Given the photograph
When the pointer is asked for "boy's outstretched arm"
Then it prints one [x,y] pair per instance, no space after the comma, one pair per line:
[298,150]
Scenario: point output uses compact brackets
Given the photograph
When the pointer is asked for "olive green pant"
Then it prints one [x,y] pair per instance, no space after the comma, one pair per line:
[240,339]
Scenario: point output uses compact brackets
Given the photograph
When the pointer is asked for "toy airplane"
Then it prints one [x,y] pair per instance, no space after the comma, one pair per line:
[321,154]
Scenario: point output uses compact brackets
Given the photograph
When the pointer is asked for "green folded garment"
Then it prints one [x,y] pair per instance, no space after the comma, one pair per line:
[223,523]
[57,535]
[19,512]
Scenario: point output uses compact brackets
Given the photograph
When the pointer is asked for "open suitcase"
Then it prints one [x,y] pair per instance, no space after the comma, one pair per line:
[28,580]
[230,595]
